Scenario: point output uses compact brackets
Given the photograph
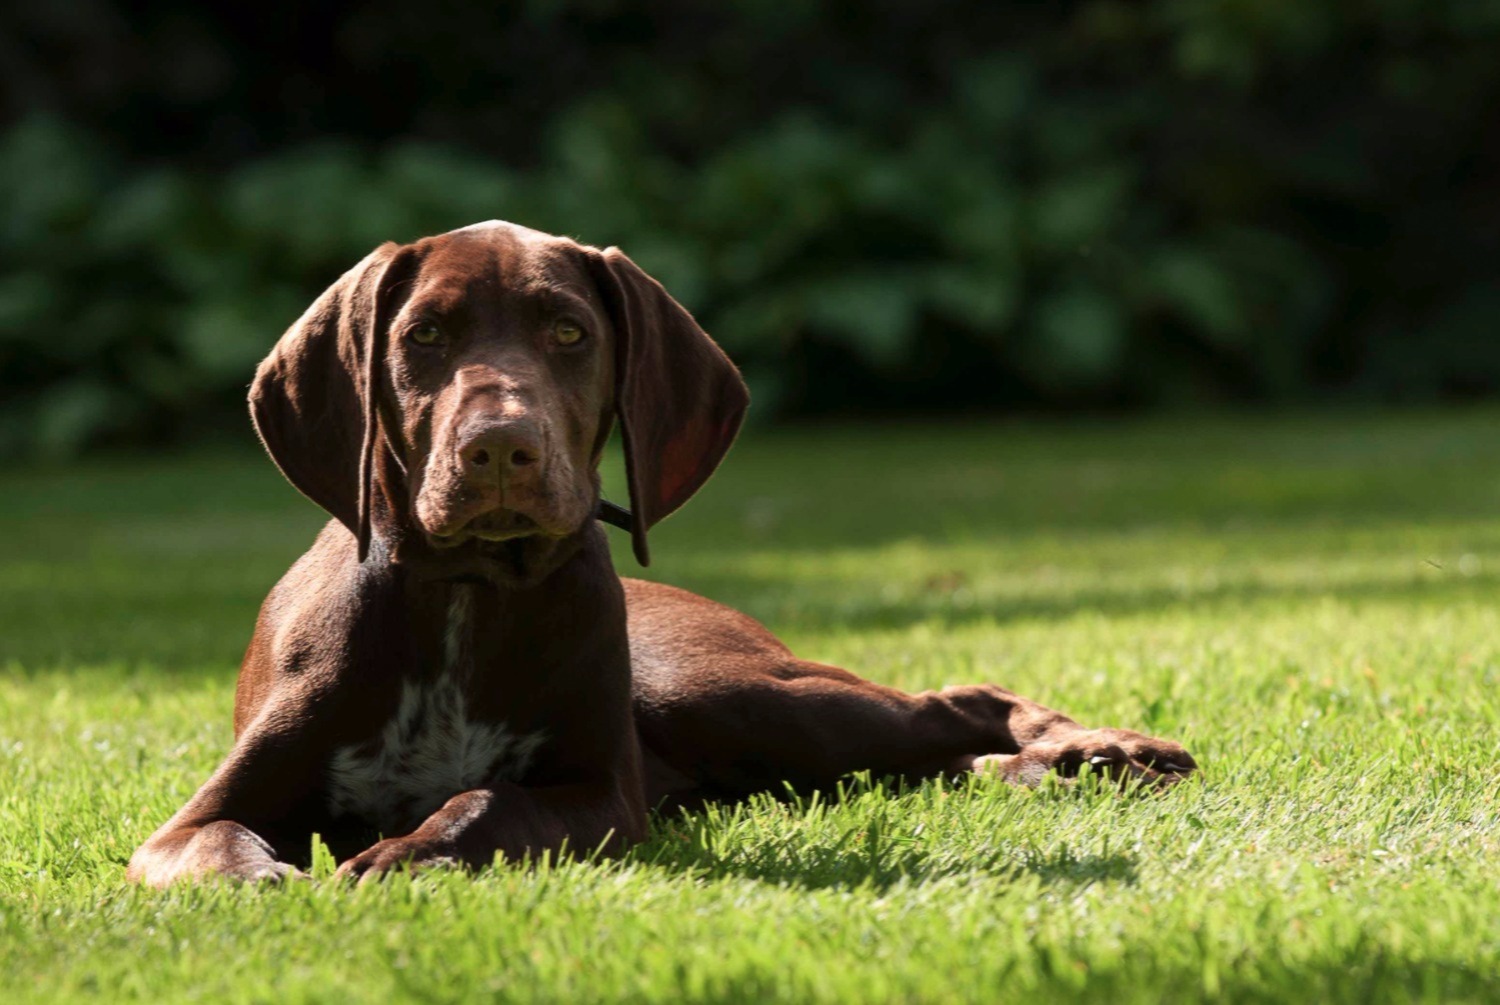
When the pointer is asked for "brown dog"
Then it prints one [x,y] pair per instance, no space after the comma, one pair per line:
[455,666]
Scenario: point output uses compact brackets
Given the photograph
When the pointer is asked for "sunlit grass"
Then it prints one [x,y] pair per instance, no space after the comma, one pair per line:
[1312,604]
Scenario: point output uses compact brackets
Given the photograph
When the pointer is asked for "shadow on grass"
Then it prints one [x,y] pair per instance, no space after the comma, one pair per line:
[849,839]
[838,613]
[1360,975]
[127,633]
[819,868]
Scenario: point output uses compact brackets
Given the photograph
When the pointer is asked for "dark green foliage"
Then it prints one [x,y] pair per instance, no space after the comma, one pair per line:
[872,206]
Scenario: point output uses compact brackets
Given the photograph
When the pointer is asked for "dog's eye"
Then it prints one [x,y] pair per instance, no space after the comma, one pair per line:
[425,334]
[567,333]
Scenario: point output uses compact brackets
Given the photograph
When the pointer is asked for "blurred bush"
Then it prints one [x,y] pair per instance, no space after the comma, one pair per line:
[872,207]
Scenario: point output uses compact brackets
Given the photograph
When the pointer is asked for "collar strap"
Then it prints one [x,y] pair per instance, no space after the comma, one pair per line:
[615,516]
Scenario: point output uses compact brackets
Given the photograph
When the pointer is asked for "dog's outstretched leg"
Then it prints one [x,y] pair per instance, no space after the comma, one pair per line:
[729,708]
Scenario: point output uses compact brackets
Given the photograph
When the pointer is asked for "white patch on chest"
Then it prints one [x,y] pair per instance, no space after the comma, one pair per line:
[430,750]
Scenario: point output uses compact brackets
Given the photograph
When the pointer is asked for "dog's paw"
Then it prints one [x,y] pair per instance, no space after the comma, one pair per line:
[1163,761]
[262,872]
[1121,754]
[221,850]
[393,854]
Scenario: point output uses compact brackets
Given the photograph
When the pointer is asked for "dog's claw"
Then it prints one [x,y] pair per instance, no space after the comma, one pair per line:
[1130,758]
[394,854]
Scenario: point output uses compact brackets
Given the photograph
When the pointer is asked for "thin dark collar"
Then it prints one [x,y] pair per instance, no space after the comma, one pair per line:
[615,516]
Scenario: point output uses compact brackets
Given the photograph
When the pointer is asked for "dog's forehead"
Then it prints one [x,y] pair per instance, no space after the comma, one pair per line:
[497,258]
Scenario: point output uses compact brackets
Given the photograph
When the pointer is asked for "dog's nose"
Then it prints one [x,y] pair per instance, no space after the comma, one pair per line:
[506,448]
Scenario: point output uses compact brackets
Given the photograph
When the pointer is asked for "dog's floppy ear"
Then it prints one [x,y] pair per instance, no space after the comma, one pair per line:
[315,402]
[679,398]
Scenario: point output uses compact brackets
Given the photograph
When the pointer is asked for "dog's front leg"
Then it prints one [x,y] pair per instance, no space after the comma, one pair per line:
[470,829]
[214,834]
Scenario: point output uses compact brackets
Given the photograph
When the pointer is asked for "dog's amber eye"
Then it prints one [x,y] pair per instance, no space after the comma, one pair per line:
[425,335]
[567,333]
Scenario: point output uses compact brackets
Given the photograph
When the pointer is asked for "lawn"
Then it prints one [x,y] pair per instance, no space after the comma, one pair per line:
[1311,603]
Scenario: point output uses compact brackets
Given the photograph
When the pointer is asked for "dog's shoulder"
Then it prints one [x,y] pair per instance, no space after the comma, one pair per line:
[329,616]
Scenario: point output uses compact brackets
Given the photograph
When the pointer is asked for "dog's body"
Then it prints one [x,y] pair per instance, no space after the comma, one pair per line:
[455,666]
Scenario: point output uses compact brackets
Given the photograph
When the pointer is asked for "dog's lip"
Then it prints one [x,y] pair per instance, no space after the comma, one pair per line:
[504,534]
[495,528]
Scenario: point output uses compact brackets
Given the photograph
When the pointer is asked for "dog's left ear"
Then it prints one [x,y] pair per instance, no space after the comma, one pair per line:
[315,397]
[679,398]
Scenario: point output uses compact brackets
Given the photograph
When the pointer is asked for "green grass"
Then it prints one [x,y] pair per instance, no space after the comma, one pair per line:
[1310,603]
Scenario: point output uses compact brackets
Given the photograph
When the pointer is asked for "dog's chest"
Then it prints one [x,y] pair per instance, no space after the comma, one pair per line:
[431,749]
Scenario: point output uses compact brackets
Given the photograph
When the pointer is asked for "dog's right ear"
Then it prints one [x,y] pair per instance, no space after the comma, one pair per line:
[315,397]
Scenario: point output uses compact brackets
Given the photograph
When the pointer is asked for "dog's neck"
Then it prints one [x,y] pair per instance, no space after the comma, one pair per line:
[458,634]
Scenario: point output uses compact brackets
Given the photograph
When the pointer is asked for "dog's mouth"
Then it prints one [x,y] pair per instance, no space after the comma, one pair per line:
[497,527]
[501,546]
[505,525]
[512,561]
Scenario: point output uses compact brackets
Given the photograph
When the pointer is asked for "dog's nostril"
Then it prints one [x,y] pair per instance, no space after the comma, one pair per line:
[500,449]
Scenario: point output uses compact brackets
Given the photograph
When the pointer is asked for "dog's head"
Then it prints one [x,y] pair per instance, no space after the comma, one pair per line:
[452,398]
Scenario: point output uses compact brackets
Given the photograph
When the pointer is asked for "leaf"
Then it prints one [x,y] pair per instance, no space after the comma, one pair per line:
[226,339]
[1069,213]
[1201,292]
[71,414]
[1079,339]
[983,299]
[874,313]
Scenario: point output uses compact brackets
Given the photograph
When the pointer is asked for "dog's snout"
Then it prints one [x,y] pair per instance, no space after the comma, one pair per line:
[503,447]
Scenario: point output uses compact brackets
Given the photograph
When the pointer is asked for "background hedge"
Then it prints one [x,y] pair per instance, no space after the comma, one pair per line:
[876,206]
